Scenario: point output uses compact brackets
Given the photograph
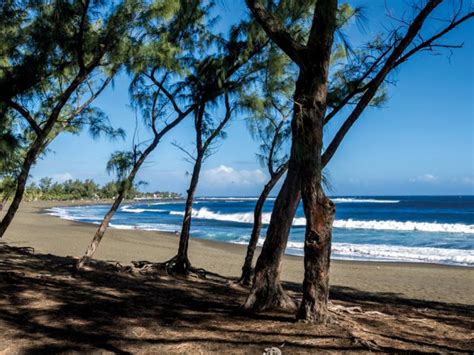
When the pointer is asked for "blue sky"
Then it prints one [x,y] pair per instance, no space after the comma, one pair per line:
[420,142]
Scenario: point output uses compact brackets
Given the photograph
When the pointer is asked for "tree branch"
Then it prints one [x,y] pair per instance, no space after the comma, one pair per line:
[358,89]
[162,88]
[92,97]
[220,127]
[276,31]
[80,35]
[375,83]
[26,115]
[429,42]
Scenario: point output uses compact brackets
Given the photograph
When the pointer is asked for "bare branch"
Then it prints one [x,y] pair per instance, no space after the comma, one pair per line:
[428,44]
[220,127]
[163,89]
[375,83]
[91,98]
[191,158]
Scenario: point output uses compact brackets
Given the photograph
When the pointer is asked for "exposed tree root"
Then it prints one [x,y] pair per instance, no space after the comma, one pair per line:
[245,280]
[269,298]
[165,269]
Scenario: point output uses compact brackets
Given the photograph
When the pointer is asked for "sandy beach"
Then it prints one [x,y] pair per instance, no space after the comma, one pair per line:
[47,307]
[47,234]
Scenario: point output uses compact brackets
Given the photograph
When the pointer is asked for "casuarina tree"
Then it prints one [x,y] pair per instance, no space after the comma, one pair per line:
[216,76]
[169,33]
[269,111]
[308,157]
[74,49]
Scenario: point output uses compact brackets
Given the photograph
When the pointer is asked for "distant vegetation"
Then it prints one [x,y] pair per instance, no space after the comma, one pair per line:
[88,189]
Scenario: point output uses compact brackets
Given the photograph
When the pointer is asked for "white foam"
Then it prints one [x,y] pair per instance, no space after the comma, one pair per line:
[361,200]
[237,199]
[406,226]
[247,217]
[403,253]
[130,209]
[160,227]
[63,213]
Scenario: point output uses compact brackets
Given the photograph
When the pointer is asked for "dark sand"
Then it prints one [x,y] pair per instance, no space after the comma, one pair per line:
[47,308]
[47,234]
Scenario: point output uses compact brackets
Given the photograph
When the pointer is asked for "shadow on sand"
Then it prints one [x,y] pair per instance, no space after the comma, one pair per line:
[45,308]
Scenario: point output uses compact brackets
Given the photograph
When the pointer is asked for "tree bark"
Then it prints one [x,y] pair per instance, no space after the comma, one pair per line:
[21,184]
[267,292]
[99,234]
[317,252]
[180,263]
[246,277]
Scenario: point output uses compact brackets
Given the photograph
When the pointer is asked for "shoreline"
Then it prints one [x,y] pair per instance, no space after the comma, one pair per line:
[49,234]
[61,204]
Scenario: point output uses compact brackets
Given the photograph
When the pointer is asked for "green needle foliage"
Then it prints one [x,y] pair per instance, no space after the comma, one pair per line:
[56,57]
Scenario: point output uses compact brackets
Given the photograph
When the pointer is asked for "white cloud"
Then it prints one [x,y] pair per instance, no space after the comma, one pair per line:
[427,178]
[62,177]
[468,181]
[225,175]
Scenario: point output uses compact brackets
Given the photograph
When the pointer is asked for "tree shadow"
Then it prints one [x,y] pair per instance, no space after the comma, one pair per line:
[45,307]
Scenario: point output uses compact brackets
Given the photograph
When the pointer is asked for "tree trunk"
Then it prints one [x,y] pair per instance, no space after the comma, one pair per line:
[101,231]
[246,277]
[267,292]
[181,263]
[123,191]
[21,184]
[317,253]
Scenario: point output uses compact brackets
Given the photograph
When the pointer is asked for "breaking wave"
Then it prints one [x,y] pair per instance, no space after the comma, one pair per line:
[247,217]
[361,200]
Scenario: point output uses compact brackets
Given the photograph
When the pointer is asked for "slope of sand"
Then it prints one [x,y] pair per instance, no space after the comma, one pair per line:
[47,234]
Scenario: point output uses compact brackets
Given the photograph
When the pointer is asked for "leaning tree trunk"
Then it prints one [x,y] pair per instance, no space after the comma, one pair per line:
[99,234]
[267,292]
[180,264]
[21,184]
[127,184]
[246,277]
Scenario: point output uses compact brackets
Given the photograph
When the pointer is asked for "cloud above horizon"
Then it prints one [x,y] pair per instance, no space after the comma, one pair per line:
[62,177]
[426,178]
[227,175]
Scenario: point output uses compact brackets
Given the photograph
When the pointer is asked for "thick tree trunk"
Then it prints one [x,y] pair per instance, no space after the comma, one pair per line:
[180,264]
[246,277]
[267,292]
[99,234]
[317,253]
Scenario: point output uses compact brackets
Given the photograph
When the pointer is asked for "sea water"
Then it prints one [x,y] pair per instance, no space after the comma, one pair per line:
[432,229]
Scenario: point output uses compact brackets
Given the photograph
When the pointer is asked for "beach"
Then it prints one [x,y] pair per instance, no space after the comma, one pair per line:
[32,227]
[46,306]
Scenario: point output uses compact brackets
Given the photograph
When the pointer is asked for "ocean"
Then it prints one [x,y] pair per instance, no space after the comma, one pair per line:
[429,229]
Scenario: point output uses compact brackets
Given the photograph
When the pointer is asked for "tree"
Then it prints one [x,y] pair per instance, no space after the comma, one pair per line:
[207,132]
[215,76]
[307,158]
[169,35]
[87,41]
[269,124]
[205,79]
